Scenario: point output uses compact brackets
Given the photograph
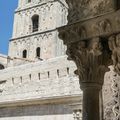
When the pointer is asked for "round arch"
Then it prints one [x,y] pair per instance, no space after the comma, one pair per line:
[35,23]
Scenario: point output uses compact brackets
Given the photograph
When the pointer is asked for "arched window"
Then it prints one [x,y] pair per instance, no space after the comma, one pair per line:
[38,52]
[35,23]
[24,53]
[2,67]
[29,1]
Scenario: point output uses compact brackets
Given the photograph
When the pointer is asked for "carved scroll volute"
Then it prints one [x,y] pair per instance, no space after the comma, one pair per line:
[114,45]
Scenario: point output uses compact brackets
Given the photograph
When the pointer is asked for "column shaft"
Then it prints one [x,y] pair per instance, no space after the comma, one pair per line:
[91,104]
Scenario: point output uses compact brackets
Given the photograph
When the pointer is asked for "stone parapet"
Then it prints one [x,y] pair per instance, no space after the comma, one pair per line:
[44,79]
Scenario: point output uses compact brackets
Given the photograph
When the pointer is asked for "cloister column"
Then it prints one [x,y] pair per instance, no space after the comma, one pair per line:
[92,59]
[91,23]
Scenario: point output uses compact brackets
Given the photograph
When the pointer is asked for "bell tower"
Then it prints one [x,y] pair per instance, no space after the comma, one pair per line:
[34,32]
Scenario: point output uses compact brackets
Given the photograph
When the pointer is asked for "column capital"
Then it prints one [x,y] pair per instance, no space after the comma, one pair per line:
[92,57]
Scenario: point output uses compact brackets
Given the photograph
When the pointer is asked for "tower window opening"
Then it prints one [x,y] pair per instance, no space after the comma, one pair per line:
[29,1]
[2,67]
[39,75]
[35,23]
[38,52]
[24,53]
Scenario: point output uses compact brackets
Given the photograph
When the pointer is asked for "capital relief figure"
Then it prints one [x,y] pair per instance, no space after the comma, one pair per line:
[105,26]
[114,45]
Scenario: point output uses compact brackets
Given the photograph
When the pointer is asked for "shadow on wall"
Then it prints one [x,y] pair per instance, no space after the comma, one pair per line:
[2,67]
[36,110]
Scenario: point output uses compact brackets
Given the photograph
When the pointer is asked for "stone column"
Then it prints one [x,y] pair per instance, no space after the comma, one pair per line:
[92,59]
[86,37]
[91,109]
[114,45]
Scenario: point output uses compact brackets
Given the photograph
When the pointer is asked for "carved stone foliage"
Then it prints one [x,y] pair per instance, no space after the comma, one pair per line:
[81,9]
[111,95]
[116,96]
[91,59]
[91,56]
[102,27]
[114,44]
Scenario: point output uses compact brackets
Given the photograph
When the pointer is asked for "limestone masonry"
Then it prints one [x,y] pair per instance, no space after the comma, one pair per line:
[37,82]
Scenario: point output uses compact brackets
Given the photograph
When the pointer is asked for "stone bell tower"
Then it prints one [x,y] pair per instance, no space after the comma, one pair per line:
[34,33]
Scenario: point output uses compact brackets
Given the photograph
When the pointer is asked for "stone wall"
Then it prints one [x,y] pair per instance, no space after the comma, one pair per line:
[52,14]
[3,60]
[46,79]
[49,43]
[44,90]
[37,112]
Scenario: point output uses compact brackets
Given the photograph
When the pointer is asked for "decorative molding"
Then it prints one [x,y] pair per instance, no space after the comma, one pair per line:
[82,9]
[102,26]
[91,58]
[111,95]
[90,52]
[114,45]
[116,97]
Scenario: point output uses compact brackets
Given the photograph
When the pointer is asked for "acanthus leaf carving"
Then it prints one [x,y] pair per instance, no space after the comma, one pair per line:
[91,60]
[114,45]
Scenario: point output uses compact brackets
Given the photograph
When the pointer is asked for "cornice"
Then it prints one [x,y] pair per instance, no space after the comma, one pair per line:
[39,4]
[33,34]
[41,101]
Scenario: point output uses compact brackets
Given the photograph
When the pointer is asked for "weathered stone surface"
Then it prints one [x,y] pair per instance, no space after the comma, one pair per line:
[37,112]
[42,89]
[87,37]
[31,84]
[52,14]
[85,9]
[24,81]
[111,95]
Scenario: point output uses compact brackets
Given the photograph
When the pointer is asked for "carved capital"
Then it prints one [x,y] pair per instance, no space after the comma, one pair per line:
[91,57]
